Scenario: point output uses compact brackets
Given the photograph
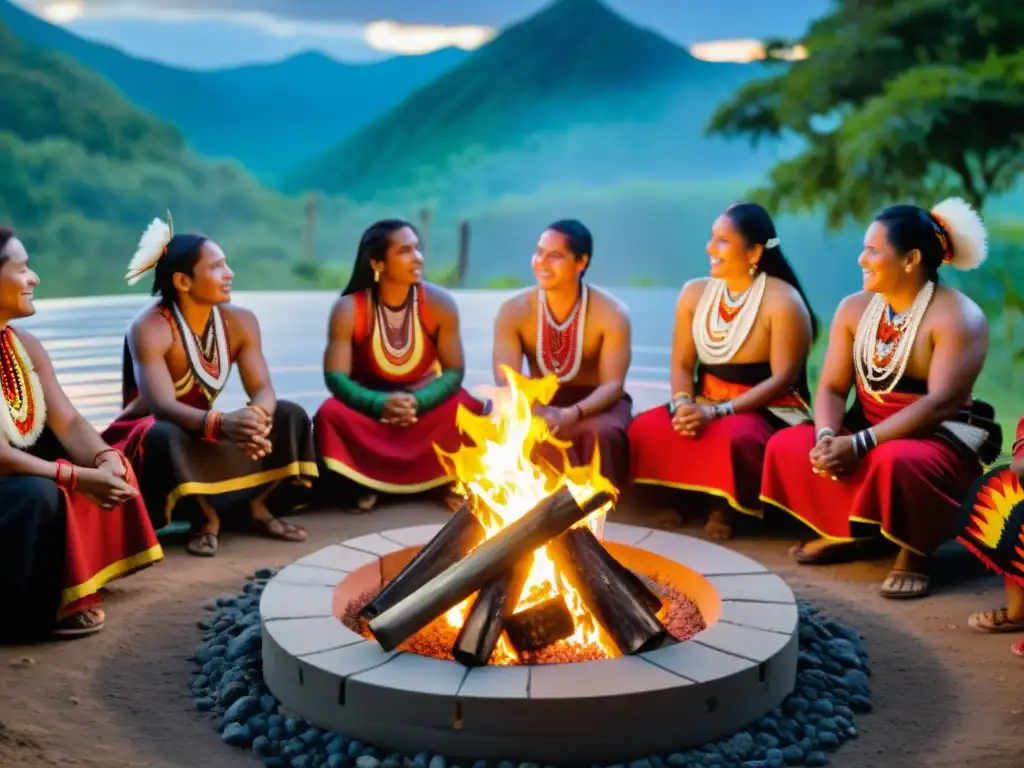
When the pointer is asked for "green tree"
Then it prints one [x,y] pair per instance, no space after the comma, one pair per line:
[895,101]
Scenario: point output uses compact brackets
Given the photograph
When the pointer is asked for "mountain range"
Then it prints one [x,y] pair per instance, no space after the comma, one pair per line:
[573,93]
[270,117]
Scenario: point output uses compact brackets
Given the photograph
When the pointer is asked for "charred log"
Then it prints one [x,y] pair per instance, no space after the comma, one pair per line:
[493,605]
[550,518]
[607,592]
[459,535]
[540,625]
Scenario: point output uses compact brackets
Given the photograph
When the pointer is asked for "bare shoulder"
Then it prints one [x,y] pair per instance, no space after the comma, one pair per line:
[852,307]
[33,347]
[343,308]
[517,306]
[441,300]
[610,308]
[241,323]
[957,312]
[780,296]
[151,330]
[690,293]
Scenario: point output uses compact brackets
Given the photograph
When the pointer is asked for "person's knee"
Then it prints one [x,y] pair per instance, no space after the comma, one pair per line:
[286,410]
[45,495]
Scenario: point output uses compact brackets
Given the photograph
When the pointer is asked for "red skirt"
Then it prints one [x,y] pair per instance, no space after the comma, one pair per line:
[103,545]
[912,489]
[725,461]
[385,457]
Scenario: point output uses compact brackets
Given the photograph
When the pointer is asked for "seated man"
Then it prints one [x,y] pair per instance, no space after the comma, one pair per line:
[579,334]
[178,357]
[394,365]
[901,460]
[71,518]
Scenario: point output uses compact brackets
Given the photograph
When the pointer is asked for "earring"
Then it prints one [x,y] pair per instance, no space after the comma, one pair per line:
[752,270]
[376,276]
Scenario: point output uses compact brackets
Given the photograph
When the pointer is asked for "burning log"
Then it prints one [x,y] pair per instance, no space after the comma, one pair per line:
[607,592]
[493,605]
[640,588]
[550,518]
[459,535]
[540,625]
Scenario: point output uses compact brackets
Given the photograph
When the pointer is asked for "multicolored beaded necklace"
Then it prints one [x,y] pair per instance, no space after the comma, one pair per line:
[208,354]
[560,345]
[397,338]
[24,417]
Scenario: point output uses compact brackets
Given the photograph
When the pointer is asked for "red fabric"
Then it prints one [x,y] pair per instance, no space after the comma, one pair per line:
[724,461]
[912,488]
[388,457]
[365,368]
[121,539]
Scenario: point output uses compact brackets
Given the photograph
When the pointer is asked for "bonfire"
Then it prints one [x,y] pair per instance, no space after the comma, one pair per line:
[519,573]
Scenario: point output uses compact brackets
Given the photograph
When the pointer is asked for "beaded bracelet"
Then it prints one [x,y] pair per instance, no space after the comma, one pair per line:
[823,433]
[863,442]
[721,410]
[67,475]
[211,427]
[678,399]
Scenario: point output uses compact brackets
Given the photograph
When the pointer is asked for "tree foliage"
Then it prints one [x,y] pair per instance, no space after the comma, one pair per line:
[896,101]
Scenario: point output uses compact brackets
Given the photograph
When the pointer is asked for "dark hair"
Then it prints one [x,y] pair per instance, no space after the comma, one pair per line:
[6,235]
[755,225]
[373,246]
[581,242]
[182,255]
[910,227]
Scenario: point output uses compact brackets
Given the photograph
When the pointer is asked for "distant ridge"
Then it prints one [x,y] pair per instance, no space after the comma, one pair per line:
[574,65]
[269,116]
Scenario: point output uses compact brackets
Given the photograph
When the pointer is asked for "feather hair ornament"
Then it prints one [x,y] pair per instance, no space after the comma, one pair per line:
[152,245]
[968,240]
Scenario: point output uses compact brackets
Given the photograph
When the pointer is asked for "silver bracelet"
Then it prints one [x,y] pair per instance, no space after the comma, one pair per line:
[721,410]
[823,433]
[864,442]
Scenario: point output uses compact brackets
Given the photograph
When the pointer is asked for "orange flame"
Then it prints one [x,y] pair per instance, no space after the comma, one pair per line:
[500,473]
[992,507]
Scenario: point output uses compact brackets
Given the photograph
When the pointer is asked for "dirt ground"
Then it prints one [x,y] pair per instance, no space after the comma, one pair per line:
[945,695]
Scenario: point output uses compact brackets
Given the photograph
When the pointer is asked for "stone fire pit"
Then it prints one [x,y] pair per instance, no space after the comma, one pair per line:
[737,669]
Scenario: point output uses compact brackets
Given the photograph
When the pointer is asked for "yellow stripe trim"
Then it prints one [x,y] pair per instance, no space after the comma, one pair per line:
[377,485]
[717,492]
[111,572]
[821,533]
[242,483]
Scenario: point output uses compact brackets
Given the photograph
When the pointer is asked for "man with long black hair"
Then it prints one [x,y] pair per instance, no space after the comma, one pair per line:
[394,365]
[178,356]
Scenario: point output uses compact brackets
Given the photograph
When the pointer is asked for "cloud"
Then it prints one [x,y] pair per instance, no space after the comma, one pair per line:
[742,51]
[382,35]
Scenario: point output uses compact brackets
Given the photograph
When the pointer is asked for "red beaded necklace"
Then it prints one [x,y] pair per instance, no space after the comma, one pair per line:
[559,345]
[24,414]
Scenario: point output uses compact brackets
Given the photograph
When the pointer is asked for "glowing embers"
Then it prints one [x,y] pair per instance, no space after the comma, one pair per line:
[519,575]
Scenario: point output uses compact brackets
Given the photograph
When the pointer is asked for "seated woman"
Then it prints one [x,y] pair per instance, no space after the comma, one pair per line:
[394,365]
[71,518]
[178,357]
[900,461]
[739,352]
[992,527]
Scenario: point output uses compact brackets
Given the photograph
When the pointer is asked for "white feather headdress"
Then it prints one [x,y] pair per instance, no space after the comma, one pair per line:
[152,245]
[968,240]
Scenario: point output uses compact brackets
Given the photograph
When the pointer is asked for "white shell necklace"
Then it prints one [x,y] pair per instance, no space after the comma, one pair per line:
[213,382]
[556,342]
[867,345]
[719,338]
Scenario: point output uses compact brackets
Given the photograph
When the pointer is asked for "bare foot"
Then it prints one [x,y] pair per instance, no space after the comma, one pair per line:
[665,519]
[825,552]
[87,621]
[367,502]
[909,578]
[273,526]
[719,524]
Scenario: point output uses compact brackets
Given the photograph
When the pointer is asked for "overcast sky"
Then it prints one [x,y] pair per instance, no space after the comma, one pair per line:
[212,33]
